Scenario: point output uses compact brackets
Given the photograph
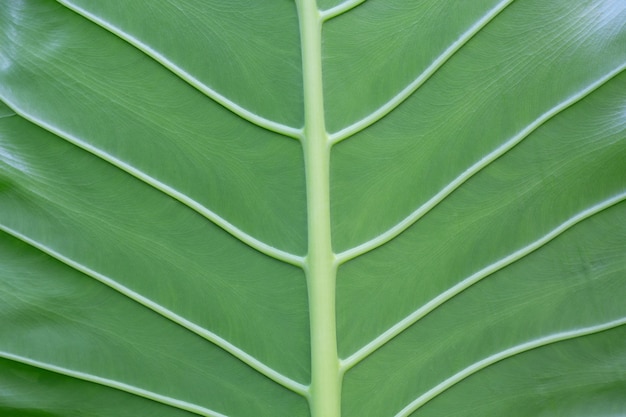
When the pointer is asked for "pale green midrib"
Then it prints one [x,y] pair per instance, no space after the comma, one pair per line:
[505,354]
[228,104]
[222,343]
[111,383]
[476,277]
[320,266]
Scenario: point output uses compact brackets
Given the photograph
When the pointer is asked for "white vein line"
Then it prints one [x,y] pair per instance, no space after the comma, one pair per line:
[190,79]
[411,319]
[340,9]
[111,383]
[515,350]
[168,314]
[419,81]
[471,171]
[234,231]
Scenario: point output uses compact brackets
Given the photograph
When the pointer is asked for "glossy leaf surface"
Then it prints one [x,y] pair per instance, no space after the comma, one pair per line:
[278,208]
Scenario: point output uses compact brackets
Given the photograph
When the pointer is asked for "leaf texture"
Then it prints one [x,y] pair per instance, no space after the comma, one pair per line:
[277,208]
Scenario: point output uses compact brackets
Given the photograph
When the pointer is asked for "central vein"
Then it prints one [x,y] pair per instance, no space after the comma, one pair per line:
[320,266]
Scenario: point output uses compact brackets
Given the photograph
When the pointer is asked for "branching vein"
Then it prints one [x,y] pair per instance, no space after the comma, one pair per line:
[140,392]
[340,9]
[419,81]
[240,111]
[473,170]
[166,313]
[170,191]
[411,319]
[515,350]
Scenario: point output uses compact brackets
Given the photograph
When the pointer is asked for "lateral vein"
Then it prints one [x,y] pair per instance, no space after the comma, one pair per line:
[219,221]
[166,313]
[421,211]
[399,98]
[235,108]
[121,386]
[512,351]
[111,383]
[450,293]
[340,9]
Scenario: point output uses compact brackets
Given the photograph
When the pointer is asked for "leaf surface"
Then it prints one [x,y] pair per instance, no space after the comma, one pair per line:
[276,208]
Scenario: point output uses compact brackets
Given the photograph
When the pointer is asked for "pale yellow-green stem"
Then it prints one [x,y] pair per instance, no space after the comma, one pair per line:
[320,265]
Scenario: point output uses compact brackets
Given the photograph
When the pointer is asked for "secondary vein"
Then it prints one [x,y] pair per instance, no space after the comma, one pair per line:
[515,350]
[219,221]
[450,293]
[121,386]
[340,9]
[235,108]
[421,211]
[166,313]
[399,98]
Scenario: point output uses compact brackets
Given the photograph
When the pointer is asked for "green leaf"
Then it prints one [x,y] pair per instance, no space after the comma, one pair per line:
[283,208]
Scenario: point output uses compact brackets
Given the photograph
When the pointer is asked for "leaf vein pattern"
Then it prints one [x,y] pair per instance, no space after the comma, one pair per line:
[399,98]
[452,292]
[110,383]
[235,108]
[421,211]
[225,225]
[340,9]
[166,313]
[505,354]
